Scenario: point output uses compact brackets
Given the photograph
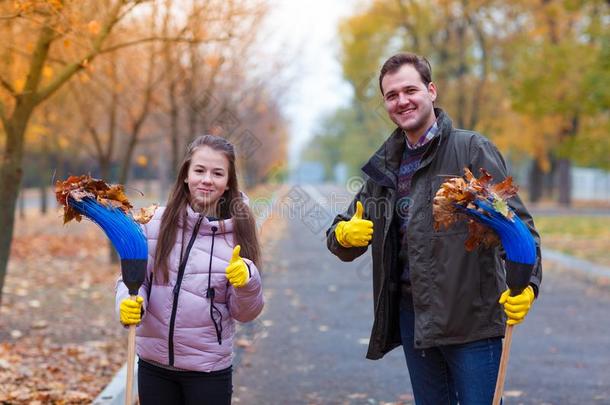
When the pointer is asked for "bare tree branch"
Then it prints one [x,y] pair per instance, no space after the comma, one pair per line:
[478,92]
[28,55]
[10,17]
[128,9]
[140,118]
[72,68]
[162,39]
[408,26]
[85,114]
[8,87]
[2,114]
[97,153]
[39,56]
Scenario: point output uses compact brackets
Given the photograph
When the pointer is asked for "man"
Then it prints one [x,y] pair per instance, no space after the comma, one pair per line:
[431,295]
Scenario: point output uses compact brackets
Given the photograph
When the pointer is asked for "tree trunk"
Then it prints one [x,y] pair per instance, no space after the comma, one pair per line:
[125,169]
[42,187]
[21,199]
[15,125]
[564,165]
[535,183]
[174,131]
[164,171]
[461,78]
[550,179]
[193,88]
[477,98]
[172,89]
[564,171]
[43,179]
[10,181]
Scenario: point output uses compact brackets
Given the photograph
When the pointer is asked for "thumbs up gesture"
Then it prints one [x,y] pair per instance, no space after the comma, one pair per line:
[356,232]
[237,271]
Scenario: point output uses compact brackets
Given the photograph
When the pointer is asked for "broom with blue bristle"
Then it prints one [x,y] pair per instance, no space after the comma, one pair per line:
[108,207]
[491,221]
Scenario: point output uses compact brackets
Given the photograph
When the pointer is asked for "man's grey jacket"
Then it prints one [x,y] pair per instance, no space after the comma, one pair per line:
[455,292]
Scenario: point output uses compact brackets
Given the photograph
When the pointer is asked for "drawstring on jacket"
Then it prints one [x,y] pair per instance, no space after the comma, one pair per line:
[211,293]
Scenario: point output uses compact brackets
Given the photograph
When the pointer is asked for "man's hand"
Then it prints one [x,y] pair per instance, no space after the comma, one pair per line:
[237,270]
[518,306]
[356,232]
[131,311]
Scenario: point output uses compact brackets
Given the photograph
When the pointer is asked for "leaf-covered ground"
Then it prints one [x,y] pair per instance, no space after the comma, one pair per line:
[60,340]
[586,237]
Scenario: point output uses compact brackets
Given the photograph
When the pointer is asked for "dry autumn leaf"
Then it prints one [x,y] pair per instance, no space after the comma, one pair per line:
[47,72]
[94,27]
[145,214]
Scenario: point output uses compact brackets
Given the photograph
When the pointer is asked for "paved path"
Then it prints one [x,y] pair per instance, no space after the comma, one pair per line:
[308,347]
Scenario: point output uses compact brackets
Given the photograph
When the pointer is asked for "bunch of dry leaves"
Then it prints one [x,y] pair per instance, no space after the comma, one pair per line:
[110,195]
[458,193]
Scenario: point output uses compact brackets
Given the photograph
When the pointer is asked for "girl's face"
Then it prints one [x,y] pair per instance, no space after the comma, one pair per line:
[207,178]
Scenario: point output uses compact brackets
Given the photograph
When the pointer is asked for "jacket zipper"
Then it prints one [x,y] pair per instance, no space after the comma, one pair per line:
[211,293]
[172,320]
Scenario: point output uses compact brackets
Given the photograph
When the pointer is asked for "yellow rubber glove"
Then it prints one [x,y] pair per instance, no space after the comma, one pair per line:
[518,306]
[356,232]
[131,310]
[237,270]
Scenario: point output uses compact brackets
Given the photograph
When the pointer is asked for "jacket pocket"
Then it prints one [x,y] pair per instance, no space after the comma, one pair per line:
[455,284]
[492,281]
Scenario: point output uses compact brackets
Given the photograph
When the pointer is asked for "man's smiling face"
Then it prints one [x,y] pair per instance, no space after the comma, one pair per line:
[408,101]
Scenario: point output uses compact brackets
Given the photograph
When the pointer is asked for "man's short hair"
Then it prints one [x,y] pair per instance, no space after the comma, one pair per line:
[421,65]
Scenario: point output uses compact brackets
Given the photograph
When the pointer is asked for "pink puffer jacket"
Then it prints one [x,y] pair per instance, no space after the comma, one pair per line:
[202,326]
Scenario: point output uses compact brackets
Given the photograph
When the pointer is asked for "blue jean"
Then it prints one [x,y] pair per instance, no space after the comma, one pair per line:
[464,373]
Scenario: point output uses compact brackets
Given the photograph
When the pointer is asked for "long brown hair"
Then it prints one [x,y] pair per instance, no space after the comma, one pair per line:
[230,205]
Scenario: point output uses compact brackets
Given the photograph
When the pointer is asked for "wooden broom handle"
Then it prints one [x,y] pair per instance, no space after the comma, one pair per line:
[508,337]
[131,358]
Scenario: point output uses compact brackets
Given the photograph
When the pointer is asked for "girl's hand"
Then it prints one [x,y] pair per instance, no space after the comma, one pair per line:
[131,311]
[237,270]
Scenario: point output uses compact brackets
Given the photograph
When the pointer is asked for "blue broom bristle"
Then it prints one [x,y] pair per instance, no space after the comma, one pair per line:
[516,238]
[122,230]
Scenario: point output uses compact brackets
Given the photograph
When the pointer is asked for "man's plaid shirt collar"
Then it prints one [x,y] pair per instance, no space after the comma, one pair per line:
[425,138]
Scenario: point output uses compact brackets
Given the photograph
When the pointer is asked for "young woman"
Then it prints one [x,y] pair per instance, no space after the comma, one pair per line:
[202,275]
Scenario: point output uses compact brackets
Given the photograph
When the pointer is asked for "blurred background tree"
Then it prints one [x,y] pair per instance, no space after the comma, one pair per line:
[532,76]
[118,88]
